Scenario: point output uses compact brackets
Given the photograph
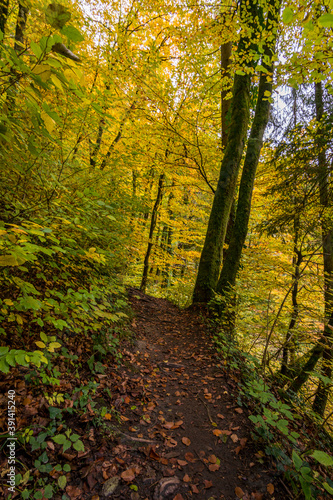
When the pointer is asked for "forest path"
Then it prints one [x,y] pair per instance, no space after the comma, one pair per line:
[190,432]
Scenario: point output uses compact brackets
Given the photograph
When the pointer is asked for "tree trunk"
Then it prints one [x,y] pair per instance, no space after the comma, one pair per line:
[4,4]
[153,221]
[20,27]
[231,264]
[210,260]
[225,103]
[303,376]
[297,261]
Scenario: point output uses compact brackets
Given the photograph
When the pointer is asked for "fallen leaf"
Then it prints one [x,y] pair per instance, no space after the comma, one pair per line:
[234,438]
[73,491]
[239,492]
[194,488]
[168,425]
[108,416]
[220,416]
[190,457]
[110,485]
[212,459]
[257,496]
[270,488]
[217,432]
[182,463]
[126,400]
[177,424]
[186,478]
[207,484]
[239,410]
[186,441]
[128,474]
[178,497]
[170,442]
[153,455]
[213,467]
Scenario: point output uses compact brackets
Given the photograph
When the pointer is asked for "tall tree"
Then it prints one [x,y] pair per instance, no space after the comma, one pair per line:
[210,260]
[239,232]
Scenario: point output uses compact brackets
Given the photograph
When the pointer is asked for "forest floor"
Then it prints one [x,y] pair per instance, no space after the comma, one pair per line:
[191,438]
[175,428]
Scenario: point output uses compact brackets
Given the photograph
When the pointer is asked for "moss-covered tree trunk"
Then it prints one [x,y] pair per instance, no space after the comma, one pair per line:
[231,263]
[210,260]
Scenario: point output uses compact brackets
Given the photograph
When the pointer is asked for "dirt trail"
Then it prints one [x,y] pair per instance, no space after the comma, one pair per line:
[190,438]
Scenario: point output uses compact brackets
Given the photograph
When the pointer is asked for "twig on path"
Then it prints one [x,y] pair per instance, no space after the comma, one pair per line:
[207,408]
[131,438]
[201,460]
[287,489]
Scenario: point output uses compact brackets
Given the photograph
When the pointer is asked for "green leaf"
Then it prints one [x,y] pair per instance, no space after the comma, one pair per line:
[74,437]
[48,492]
[36,49]
[9,260]
[306,489]
[298,462]
[10,358]
[67,468]
[78,446]
[57,15]
[20,358]
[328,488]
[326,20]
[67,444]
[43,337]
[72,33]
[287,15]
[31,303]
[62,481]
[3,350]
[4,366]
[60,439]
[322,457]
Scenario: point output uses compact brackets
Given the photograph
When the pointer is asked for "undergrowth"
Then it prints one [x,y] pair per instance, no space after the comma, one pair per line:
[295,441]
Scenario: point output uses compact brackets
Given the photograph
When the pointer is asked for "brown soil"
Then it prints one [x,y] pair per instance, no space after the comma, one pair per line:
[197,431]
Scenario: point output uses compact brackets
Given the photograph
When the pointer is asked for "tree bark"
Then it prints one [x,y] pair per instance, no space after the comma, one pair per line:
[153,221]
[225,103]
[20,27]
[210,260]
[232,260]
[297,261]
[4,4]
